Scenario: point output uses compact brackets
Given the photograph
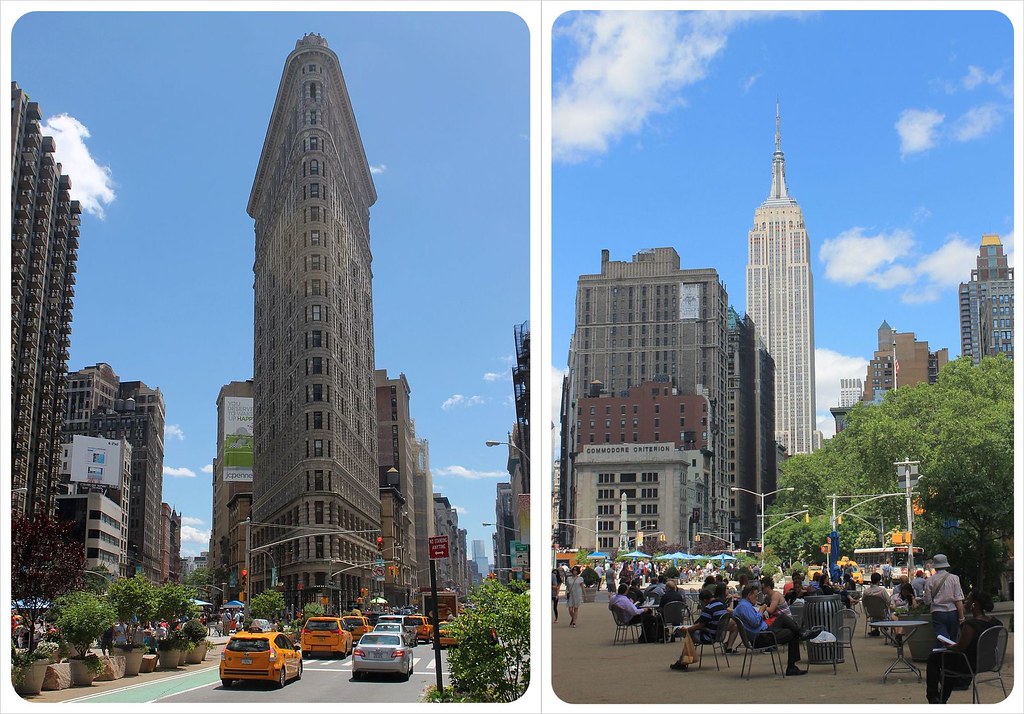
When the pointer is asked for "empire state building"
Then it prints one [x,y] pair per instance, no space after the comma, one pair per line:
[780,300]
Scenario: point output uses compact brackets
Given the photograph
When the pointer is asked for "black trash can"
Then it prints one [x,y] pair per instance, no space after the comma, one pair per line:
[823,610]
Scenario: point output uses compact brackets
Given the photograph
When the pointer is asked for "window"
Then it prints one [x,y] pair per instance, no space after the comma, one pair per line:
[318,447]
[312,118]
[318,392]
[317,338]
[314,262]
[313,144]
[318,420]
[317,312]
[606,478]
[314,190]
[627,478]
[318,511]
[316,365]
[314,237]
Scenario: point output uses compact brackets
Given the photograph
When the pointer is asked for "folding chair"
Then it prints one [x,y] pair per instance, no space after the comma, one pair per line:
[876,609]
[845,626]
[721,634]
[622,631]
[991,653]
[673,614]
[796,609]
[772,650]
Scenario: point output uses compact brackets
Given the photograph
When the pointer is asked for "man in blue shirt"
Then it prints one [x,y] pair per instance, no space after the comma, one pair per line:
[750,619]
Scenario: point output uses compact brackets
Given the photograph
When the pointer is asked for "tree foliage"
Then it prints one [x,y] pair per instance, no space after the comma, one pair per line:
[175,601]
[82,617]
[133,597]
[198,578]
[267,605]
[46,563]
[959,429]
[480,670]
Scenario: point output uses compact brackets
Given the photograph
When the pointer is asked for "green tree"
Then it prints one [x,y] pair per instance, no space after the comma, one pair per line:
[175,601]
[133,597]
[267,605]
[199,578]
[482,671]
[82,617]
[312,609]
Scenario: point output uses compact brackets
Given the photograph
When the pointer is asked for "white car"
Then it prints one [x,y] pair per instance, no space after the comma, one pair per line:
[382,651]
[408,639]
[409,625]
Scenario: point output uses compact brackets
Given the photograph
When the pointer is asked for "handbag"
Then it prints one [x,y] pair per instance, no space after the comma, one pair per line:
[689,649]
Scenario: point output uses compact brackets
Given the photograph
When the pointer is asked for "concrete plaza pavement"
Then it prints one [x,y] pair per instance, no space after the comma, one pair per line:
[586,668]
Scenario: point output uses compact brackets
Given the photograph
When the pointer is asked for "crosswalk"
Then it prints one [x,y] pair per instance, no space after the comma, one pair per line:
[420,664]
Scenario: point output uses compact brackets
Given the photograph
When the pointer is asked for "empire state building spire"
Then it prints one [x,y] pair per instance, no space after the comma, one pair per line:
[779,191]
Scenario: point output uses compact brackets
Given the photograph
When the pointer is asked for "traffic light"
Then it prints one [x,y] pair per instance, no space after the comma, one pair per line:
[839,520]
[696,538]
[639,539]
[662,538]
[380,544]
[493,637]
[243,584]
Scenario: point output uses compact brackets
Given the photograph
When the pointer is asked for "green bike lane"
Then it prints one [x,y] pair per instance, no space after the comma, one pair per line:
[151,691]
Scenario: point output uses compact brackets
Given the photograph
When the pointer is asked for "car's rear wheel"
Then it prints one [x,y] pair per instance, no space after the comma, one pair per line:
[357,675]
[226,683]
[282,679]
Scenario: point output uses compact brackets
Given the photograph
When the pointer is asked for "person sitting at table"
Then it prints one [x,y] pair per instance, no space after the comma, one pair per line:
[671,593]
[939,687]
[626,611]
[656,589]
[796,590]
[903,599]
[704,630]
[875,590]
[634,591]
[748,617]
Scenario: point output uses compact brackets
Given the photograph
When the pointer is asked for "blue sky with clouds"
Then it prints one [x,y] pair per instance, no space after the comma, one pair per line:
[897,127]
[159,119]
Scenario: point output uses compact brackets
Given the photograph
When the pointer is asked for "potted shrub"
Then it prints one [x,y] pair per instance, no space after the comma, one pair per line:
[134,599]
[82,618]
[922,640]
[590,581]
[195,633]
[168,653]
[28,669]
[184,645]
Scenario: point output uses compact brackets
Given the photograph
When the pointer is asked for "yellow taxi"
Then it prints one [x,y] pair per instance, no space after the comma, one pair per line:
[424,630]
[357,625]
[446,638]
[264,656]
[855,571]
[327,635]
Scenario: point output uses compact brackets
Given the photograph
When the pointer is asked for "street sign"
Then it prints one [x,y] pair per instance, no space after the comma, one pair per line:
[438,547]
[520,554]
[378,571]
[379,562]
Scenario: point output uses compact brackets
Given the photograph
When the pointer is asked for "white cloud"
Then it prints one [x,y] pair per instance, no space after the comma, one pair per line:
[630,65]
[463,472]
[378,169]
[191,521]
[976,122]
[493,376]
[459,400]
[190,534]
[921,214]
[173,431]
[951,264]
[208,469]
[917,129]
[852,257]
[179,472]
[976,76]
[751,81]
[91,184]
[460,510]
[829,367]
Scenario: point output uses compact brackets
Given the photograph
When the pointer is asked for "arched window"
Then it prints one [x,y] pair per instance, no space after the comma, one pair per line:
[314,168]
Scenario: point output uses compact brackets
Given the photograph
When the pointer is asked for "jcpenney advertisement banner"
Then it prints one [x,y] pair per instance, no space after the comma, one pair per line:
[238,439]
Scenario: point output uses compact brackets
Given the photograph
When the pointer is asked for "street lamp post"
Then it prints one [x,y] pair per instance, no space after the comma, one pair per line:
[762,496]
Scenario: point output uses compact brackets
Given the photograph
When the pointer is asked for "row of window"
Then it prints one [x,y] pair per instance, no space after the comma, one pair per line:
[685,437]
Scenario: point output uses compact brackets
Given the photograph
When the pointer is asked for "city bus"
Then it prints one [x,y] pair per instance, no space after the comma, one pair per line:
[871,559]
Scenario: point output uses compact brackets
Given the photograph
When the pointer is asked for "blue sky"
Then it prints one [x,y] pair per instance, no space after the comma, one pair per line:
[897,129]
[160,120]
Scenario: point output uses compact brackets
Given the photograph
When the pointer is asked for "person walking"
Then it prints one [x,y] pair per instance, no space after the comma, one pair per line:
[945,598]
[609,578]
[574,594]
[556,590]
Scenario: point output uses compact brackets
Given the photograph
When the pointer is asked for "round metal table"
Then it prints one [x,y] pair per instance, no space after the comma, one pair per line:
[901,663]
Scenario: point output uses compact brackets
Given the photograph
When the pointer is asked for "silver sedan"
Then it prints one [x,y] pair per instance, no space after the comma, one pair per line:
[381,652]
[408,635]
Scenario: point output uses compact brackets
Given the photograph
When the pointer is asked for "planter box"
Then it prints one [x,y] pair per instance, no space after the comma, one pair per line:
[169,659]
[197,655]
[148,665]
[589,594]
[32,681]
[922,641]
[58,676]
[133,662]
[81,675]
[182,655]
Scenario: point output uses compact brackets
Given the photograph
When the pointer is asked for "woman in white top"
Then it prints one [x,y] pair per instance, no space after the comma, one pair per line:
[574,594]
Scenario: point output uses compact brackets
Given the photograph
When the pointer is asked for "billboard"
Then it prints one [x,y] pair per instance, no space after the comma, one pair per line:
[238,439]
[96,461]
[689,301]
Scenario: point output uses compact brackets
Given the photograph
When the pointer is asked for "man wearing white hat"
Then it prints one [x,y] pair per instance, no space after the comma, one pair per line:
[945,599]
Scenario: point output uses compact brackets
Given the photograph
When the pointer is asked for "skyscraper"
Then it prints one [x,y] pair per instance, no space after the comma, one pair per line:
[315,422]
[986,304]
[901,360]
[44,254]
[780,300]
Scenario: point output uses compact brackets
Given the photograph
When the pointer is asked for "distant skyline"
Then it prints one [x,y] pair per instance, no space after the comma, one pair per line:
[897,128]
[159,119]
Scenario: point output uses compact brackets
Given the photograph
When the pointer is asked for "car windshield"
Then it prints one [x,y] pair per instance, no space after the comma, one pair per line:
[388,640]
[248,644]
[329,625]
[388,627]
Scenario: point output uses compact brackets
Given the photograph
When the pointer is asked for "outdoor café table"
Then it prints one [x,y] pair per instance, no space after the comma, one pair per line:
[901,663]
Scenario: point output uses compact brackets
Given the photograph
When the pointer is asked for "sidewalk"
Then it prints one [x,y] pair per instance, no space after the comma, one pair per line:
[586,669]
[63,695]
